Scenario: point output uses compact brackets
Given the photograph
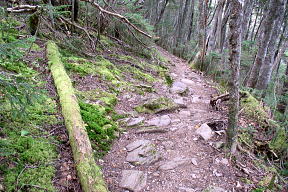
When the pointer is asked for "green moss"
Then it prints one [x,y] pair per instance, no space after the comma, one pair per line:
[100,129]
[157,105]
[280,143]
[36,47]
[97,94]
[253,108]
[38,179]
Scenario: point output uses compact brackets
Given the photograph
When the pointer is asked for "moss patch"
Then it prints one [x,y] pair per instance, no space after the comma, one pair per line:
[157,105]
[100,129]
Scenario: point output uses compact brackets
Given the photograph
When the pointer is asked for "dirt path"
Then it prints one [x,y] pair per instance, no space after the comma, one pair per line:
[187,163]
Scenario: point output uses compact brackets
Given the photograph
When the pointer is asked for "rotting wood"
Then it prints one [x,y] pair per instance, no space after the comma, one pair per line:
[88,172]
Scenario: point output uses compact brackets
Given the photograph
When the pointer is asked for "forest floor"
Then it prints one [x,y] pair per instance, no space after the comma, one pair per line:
[172,157]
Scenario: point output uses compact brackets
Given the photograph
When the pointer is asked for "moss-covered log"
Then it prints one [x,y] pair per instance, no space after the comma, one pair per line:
[88,172]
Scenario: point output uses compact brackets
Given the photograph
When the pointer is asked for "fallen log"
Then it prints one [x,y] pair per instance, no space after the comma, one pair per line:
[88,172]
[215,101]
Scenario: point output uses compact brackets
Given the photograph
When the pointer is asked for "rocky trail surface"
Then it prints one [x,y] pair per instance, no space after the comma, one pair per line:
[171,150]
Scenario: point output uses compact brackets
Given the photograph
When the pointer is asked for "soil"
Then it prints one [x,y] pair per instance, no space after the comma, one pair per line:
[210,169]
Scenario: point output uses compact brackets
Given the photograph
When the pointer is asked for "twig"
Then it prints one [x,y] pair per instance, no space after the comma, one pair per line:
[82,28]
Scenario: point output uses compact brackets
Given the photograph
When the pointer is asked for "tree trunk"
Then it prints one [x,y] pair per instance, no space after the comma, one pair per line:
[234,62]
[262,50]
[190,30]
[198,61]
[267,67]
[247,11]
[282,106]
[88,172]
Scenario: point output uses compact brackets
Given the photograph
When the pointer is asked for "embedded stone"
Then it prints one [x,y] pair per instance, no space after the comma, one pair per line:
[176,162]
[135,121]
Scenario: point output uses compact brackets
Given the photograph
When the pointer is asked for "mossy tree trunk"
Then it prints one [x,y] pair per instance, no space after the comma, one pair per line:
[234,62]
[88,172]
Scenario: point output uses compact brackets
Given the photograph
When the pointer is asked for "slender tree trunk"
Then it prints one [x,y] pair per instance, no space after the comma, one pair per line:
[247,11]
[262,50]
[282,106]
[234,62]
[161,13]
[267,67]
[190,30]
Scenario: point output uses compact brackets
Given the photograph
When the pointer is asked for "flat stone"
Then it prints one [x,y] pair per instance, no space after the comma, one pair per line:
[133,180]
[142,152]
[136,144]
[176,162]
[214,189]
[179,87]
[185,113]
[135,121]
[188,82]
[205,131]
[162,121]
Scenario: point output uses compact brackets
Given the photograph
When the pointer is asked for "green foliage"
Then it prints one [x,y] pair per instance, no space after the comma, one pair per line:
[100,129]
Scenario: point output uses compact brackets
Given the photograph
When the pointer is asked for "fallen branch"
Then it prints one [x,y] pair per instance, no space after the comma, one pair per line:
[22,8]
[121,17]
[89,173]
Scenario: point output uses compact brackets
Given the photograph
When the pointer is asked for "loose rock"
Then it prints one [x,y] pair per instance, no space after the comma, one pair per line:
[133,180]
[137,144]
[205,131]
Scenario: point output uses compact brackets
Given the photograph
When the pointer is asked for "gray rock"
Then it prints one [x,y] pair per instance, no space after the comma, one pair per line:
[133,180]
[194,161]
[214,189]
[185,113]
[180,102]
[176,162]
[136,144]
[1,187]
[135,121]
[188,82]
[205,131]
[179,88]
[160,121]
[142,152]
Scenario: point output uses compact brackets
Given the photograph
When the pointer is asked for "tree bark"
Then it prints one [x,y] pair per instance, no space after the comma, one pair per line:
[89,173]
[267,67]
[234,62]
[262,50]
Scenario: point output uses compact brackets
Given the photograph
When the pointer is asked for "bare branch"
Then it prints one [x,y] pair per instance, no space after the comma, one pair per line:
[121,17]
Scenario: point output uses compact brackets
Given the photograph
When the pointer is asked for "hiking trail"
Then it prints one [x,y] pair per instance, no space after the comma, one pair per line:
[170,154]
